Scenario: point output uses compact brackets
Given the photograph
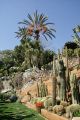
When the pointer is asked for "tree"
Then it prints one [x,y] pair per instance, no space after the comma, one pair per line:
[8,61]
[35,27]
[76,37]
[71,46]
[19,54]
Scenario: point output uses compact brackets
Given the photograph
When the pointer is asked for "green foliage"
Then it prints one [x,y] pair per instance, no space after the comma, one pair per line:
[1,85]
[17,111]
[72,109]
[76,113]
[13,98]
[77,52]
[48,56]
[7,61]
[71,45]
[76,36]
[19,54]
[73,49]
[70,52]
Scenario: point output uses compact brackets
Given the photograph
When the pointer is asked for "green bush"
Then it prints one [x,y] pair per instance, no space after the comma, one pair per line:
[13,98]
[1,96]
[76,113]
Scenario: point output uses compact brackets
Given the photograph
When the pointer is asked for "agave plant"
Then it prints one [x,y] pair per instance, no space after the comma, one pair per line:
[36,26]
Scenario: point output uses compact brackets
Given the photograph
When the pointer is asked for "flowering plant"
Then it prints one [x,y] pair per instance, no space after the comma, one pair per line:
[39,104]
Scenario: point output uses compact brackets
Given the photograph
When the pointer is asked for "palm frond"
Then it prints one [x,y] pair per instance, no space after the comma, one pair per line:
[26,22]
[21,33]
[48,35]
[52,29]
[50,32]
[41,17]
[45,36]
[44,19]
[36,17]
[29,16]
[49,24]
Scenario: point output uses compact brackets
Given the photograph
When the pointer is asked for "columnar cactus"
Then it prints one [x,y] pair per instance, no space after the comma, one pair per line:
[61,75]
[54,81]
[43,91]
[67,70]
[73,88]
[37,90]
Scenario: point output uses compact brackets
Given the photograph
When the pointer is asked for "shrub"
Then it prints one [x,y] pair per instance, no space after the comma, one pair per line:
[13,98]
[76,114]
[71,109]
[1,96]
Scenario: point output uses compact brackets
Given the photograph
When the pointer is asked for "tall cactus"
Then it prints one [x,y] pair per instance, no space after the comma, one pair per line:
[62,80]
[37,89]
[58,54]
[54,80]
[43,91]
[73,88]
[67,69]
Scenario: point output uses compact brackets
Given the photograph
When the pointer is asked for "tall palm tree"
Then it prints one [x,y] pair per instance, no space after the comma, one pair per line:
[35,27]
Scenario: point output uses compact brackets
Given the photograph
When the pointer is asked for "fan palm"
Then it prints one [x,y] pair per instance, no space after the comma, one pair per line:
[35,27]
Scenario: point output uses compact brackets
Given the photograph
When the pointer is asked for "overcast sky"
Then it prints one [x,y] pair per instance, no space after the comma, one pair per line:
[64,13]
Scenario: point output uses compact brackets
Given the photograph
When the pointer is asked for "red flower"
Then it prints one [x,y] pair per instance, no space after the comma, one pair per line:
[39,104]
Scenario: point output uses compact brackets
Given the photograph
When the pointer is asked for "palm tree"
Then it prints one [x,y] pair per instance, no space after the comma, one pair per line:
[35,27]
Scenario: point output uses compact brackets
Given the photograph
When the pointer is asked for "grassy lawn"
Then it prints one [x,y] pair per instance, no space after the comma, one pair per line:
[17,111]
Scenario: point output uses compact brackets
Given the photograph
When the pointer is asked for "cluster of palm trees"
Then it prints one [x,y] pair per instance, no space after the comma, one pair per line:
[32,29]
